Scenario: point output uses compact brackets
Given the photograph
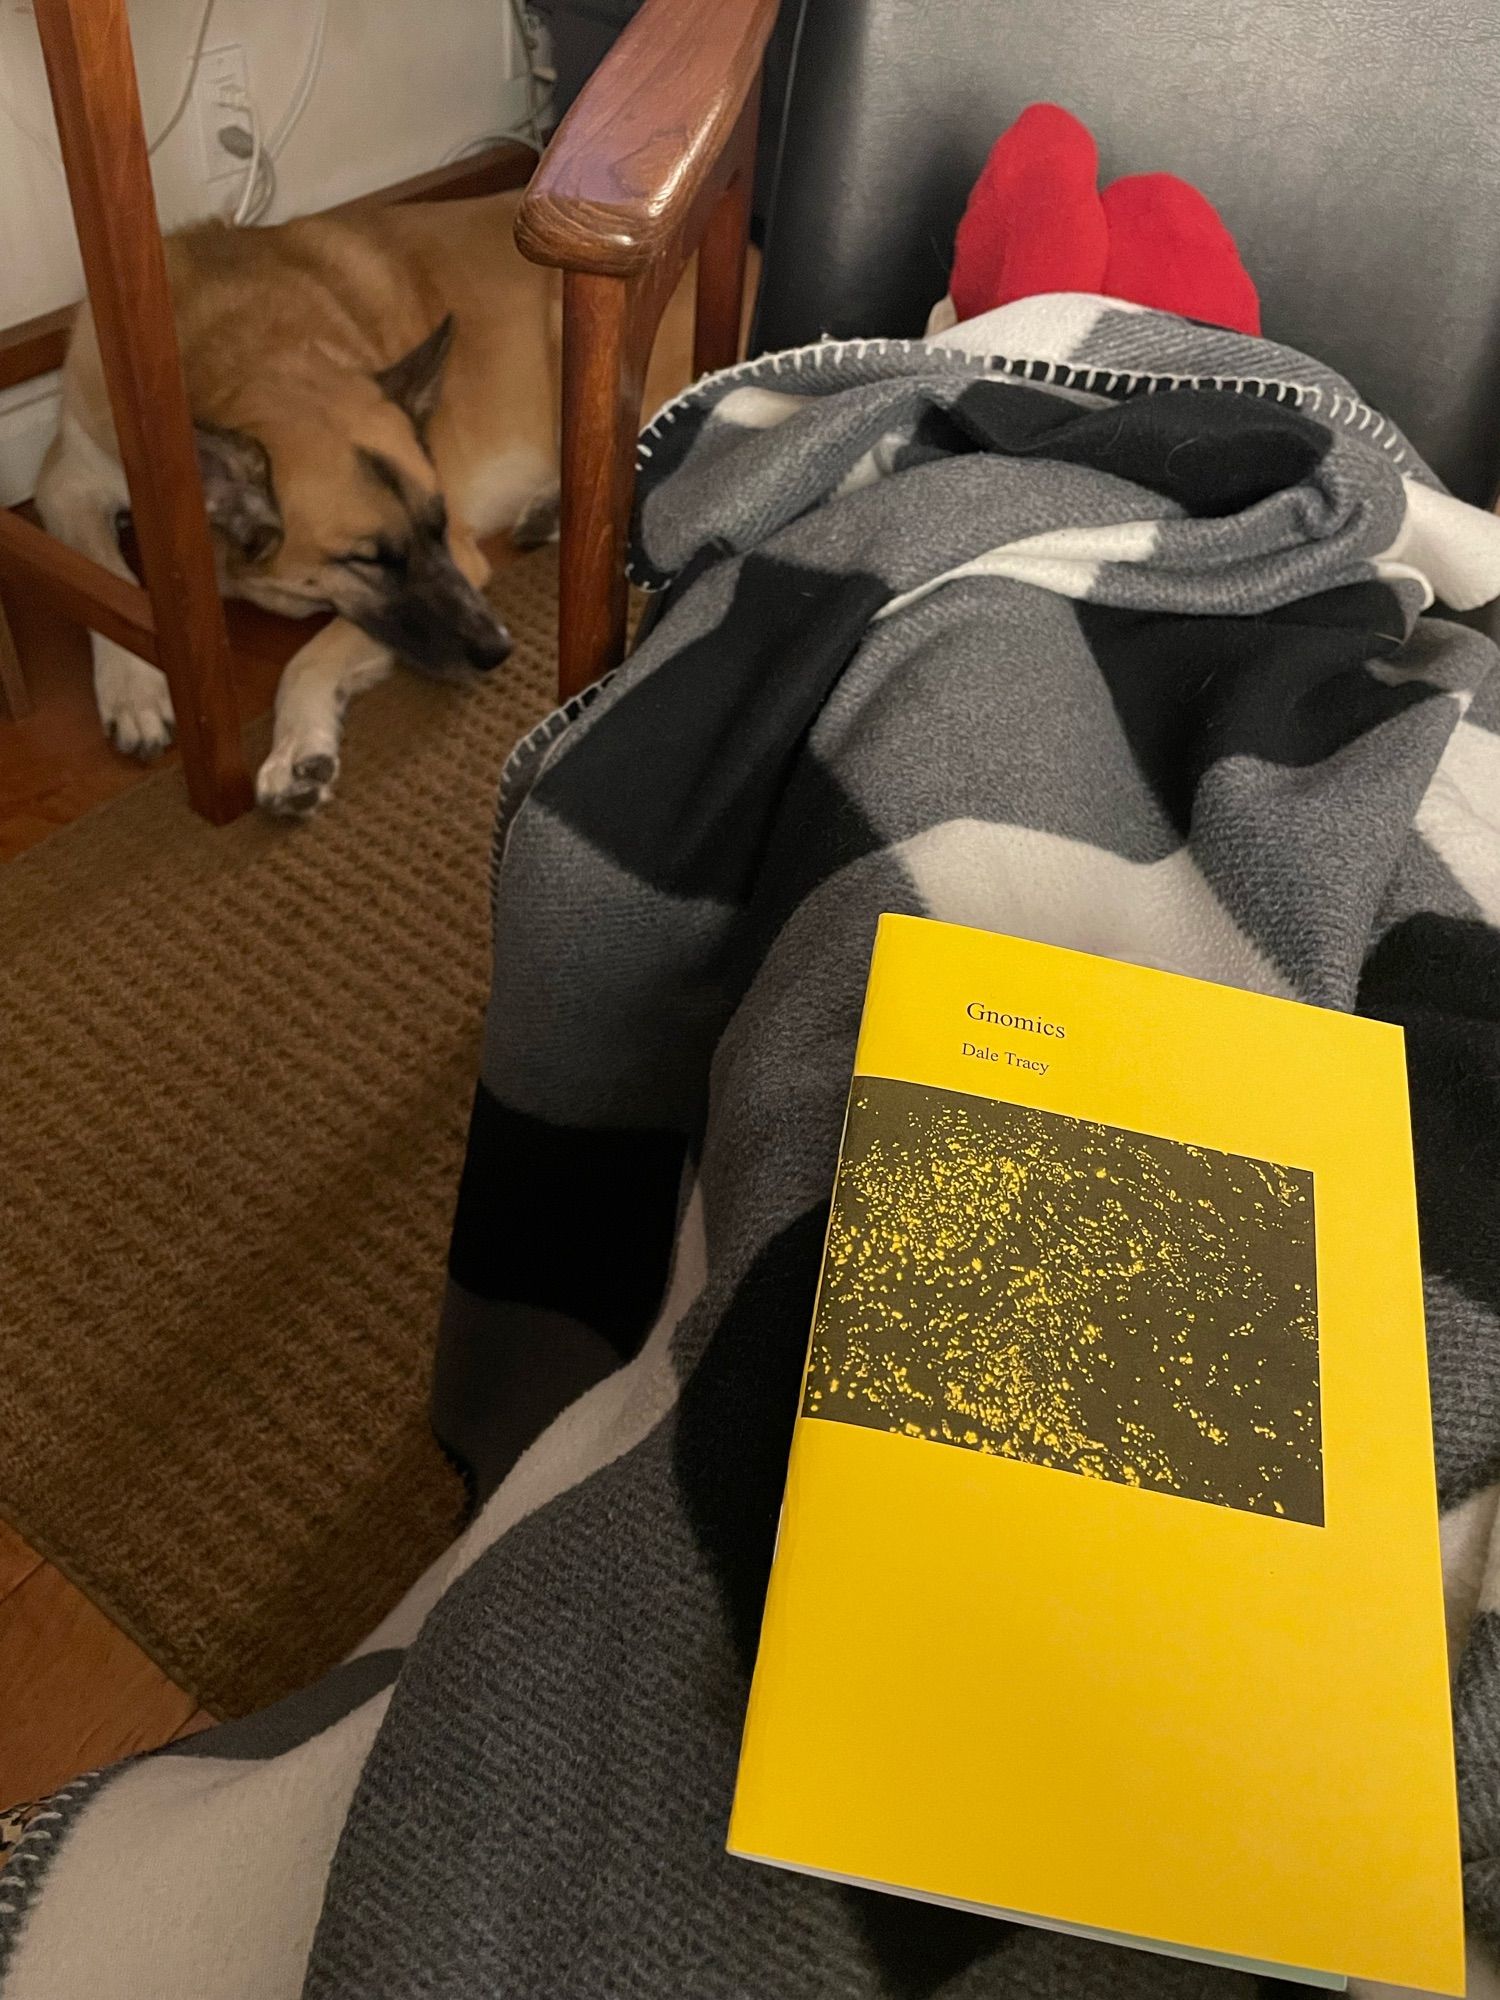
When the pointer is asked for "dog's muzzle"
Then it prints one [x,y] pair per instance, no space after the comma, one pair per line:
[437,622]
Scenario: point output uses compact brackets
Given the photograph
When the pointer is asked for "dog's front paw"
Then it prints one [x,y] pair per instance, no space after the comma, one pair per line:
[134,703]
[294,783]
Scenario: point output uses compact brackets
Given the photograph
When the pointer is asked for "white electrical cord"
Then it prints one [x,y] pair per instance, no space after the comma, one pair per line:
[530,131]
[46,145]
[252,201]
[185,98]
[244,141]
[312,62]
[258,195]
[533,116]
[259,191]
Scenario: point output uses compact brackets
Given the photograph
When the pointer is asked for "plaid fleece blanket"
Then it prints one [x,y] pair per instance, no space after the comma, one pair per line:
[1086,624]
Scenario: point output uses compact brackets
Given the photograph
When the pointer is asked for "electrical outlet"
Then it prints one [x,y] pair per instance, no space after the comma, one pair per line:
[220,82]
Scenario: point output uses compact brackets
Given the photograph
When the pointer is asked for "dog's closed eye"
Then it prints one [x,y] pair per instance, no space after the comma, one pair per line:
[382,557]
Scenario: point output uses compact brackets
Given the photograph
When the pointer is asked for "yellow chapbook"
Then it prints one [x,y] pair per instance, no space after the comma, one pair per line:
[1107,1593]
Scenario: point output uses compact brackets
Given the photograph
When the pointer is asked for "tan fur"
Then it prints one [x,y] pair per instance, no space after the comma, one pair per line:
[282,333]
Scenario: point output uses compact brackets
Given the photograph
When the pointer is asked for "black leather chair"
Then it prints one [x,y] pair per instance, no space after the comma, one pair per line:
[1353,147]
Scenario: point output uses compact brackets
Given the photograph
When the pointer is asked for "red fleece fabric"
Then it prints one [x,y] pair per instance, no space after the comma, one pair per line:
[1036,222]
[1168,248]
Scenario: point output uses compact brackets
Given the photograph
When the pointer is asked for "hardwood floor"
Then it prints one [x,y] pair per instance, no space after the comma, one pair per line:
[74,1691]
[56,764]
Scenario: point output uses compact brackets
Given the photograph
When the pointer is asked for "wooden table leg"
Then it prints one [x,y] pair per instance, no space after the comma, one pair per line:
[14,694]
[91,72]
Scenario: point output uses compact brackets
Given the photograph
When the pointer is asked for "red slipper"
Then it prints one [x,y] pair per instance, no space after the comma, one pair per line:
[1034,222]
[1169,249]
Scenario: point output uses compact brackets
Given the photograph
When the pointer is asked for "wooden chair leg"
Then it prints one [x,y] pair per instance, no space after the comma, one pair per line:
[719,303]
[91,71]
[609,327]
[607,332]
[14,693]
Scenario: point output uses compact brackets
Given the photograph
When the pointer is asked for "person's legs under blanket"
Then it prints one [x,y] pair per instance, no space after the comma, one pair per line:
[1137,673]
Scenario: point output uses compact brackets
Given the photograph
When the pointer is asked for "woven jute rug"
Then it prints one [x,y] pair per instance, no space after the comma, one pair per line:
[235,1085]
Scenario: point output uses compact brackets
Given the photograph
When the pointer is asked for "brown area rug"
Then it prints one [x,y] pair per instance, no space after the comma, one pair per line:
[234,1092]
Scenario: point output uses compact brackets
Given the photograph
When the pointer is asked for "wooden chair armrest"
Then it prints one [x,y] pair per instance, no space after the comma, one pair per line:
[626,180]
[652,164]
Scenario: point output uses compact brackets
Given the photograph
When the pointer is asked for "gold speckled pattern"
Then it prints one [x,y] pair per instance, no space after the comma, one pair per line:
[1100,1301]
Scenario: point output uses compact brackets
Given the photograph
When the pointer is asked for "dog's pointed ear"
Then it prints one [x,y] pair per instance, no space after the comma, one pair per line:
[415,382]
[236,472]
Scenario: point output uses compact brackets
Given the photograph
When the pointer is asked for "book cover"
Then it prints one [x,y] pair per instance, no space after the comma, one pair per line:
[1107,1593]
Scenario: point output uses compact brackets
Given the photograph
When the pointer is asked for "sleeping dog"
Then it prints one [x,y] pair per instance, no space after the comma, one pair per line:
[373,392]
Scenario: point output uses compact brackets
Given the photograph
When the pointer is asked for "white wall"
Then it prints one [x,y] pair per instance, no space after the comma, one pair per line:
[401,86]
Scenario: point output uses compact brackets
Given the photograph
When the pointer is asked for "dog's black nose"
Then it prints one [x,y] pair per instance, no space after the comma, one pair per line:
[486,654]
